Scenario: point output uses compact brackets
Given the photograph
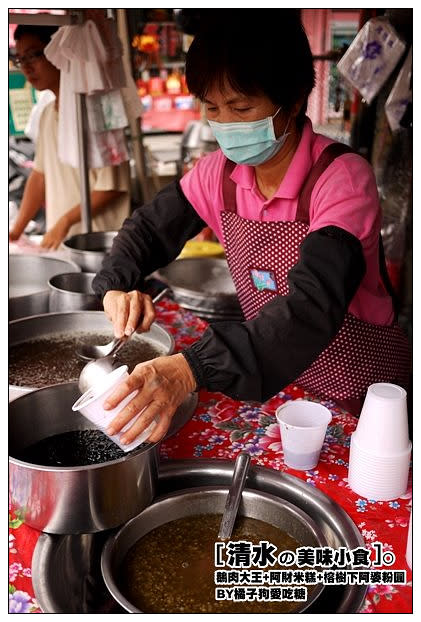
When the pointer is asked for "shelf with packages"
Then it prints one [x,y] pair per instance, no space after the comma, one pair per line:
[168,106]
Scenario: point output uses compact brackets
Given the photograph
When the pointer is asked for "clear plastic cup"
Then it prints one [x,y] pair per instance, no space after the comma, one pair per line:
[303,426]
[383,424]
[373,479]
[90,405]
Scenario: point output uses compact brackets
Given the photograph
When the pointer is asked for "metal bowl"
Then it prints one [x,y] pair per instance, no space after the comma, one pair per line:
[28,283]
[88,250]
[203,285]
[73,292]
[66,571]
[208,500]
[30,328]
[84,499]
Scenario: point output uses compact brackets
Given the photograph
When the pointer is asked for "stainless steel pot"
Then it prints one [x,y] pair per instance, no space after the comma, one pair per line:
[207,500]
[38,326]
[86,499]
[28,283]
[82,499]
[88,250]
[203,285]
[73,292]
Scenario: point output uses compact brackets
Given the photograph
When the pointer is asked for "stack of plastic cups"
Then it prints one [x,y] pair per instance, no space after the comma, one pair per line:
[380,447]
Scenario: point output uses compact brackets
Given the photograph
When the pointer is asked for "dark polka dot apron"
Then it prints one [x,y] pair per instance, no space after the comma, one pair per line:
[260,256]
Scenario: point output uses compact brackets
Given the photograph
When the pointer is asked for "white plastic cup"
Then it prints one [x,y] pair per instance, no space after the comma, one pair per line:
[383,424]
[408,555]
[373,479]
[303,426]
[90,405]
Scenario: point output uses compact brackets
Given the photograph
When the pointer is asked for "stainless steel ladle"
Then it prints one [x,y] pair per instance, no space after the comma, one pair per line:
[232,503]
[92,352]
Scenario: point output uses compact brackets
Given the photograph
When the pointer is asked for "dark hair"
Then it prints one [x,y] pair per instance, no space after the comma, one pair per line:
[44,33]
[257,51]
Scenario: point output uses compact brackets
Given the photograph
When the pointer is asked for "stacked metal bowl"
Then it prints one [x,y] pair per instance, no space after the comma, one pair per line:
[204,286]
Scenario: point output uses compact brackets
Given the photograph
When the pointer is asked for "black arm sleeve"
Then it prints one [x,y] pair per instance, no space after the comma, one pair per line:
[151,238]
[254,360]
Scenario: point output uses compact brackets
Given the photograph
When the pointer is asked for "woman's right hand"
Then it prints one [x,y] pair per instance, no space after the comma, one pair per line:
[129,311]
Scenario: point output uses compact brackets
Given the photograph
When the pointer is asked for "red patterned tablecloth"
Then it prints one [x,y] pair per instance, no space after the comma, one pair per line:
[222,427]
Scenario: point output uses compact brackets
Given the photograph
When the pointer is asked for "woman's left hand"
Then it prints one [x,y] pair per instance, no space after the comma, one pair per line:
[163,384]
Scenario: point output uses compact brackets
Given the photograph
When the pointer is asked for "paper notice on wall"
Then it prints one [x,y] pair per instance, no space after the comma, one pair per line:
[371,57]
[20,102]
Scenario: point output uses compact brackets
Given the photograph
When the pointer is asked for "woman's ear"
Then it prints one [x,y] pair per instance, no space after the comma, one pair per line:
[297,107]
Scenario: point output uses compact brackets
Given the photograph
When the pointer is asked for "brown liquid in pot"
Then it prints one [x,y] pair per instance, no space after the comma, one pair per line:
[171,569]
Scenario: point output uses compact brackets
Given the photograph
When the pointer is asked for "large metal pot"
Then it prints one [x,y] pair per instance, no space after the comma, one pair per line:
[82,499]
[203,285]
[38,326]
[207,500]
[73,292]
[88,250]
[28,283]
[85,499]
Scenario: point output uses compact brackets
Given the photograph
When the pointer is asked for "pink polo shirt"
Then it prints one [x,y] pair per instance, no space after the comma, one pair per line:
[344,196]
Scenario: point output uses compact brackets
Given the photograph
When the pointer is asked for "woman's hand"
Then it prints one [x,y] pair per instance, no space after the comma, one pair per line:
[129,311]
[14,235]
[55,236]
[163,384]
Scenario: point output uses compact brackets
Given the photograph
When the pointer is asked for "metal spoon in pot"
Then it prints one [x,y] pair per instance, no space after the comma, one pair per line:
[241,467]
[91,353]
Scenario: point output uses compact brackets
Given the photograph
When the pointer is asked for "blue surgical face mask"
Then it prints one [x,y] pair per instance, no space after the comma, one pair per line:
[251,143]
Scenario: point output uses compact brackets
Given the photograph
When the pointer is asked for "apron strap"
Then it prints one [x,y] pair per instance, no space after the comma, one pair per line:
[328,155]
[229,187]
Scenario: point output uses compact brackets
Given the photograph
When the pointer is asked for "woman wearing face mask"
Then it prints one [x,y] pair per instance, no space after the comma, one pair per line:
[299,218]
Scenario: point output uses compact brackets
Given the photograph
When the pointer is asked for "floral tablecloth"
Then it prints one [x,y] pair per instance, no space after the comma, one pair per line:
[222,427]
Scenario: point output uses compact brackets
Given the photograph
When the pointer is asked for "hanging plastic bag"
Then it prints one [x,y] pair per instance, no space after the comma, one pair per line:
[371,57]
[400,95]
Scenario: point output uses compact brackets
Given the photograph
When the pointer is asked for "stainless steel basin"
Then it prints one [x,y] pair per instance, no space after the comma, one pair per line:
[66,571]
[28,283]
[203,285]
[27,329]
